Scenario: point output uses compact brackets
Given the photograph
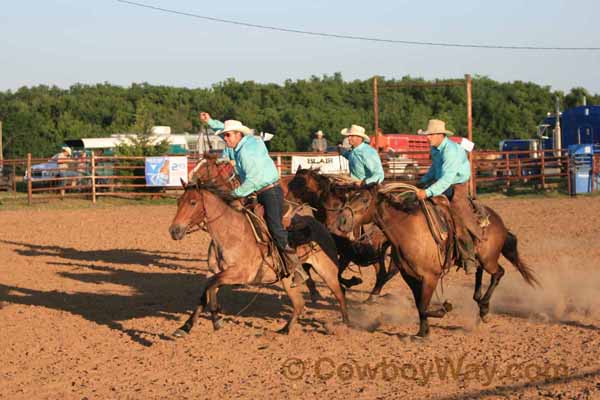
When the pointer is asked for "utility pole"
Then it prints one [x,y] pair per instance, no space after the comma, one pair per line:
[557,132]
[1,151]
[376,112]
[469,87]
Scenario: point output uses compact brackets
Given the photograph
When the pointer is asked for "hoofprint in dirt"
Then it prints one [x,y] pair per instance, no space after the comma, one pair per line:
[88,299]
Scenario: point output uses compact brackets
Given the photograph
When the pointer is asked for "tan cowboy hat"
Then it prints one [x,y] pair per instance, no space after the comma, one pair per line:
[435,126]
[233,125]
[319,133]
[355,130]
[67,150]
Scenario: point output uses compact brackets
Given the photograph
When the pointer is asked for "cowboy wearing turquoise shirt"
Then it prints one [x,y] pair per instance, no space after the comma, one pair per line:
[364,162]
[450,172]
[258,174]
[216,126]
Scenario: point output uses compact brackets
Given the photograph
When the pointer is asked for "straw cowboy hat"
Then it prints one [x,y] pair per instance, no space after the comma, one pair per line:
[67,150]
[435,126]
[319,133]
[355,130]
[233,125]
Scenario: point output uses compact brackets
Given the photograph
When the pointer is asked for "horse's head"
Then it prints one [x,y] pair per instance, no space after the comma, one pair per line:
[358,209]
[307,186]
[190,212]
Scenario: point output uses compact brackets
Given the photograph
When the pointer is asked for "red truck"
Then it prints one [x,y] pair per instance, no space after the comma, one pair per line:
[406,144]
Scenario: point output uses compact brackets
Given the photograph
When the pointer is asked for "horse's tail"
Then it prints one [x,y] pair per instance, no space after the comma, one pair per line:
[510,251]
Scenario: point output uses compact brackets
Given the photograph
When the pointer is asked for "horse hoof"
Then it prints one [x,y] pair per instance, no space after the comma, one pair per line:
[316,298]
[354,281]
[180,333]
[218,324]
[485,318]
[447,306]
[284,331]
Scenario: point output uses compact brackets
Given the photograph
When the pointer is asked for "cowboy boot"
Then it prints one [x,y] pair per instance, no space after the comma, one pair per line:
[294,267]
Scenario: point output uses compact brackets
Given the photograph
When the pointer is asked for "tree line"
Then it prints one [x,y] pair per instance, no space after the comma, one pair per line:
[38,119]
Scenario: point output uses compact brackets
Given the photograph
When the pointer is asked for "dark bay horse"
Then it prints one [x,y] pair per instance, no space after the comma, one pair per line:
[418,255]
[244,260]
[320,192]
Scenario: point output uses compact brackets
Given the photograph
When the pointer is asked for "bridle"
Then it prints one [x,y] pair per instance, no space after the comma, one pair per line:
[348,206]
[230,182]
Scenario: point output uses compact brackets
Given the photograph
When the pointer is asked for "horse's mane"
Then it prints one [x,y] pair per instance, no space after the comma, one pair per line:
[214,189]
[405,201]
[205,165]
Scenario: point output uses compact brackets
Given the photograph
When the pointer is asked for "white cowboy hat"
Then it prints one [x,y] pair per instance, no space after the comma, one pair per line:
[233,125]
[67,149]
[355,130]
[435,126]
[319,133]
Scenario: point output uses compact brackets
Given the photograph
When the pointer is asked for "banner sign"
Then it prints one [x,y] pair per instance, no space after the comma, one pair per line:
[327,164]
[166,171]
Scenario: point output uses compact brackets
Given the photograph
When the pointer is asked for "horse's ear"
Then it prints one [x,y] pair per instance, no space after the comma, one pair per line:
[183,183]
[298,169]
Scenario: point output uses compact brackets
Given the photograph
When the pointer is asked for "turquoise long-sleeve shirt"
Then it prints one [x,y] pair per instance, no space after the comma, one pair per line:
[365,164]
[449,166]
[253,165]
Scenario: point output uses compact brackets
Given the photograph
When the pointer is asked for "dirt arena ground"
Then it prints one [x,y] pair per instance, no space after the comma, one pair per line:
[89,298]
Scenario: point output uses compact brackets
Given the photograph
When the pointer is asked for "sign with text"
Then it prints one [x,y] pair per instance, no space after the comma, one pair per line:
[165,171]
[327,164]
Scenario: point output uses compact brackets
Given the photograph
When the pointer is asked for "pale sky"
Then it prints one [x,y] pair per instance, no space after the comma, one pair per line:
[62,42]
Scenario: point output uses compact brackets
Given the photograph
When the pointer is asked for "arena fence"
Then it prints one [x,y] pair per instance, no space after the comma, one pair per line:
[97,176]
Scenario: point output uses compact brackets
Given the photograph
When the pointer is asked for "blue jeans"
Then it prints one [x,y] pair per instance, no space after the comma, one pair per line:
[272,201]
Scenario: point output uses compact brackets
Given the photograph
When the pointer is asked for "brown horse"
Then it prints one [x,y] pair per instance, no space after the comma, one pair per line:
[321,192]
[222,175]
[244,260]
[422,262]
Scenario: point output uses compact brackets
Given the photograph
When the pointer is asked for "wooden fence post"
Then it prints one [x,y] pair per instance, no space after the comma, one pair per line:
[93,178]
[29,178]
[543,171]
[569,188]
[14,176]
[279,164]
[507,170]
[474,168]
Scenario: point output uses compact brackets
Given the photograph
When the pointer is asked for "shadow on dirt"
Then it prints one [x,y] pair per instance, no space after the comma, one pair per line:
[154,294]
[114,256]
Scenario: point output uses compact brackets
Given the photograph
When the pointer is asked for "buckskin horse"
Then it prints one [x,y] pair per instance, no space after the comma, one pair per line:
[319,191]
[222,174]
[244,260]
[421,259]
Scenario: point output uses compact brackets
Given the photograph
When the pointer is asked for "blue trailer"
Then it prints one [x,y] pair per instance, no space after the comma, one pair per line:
[579,125]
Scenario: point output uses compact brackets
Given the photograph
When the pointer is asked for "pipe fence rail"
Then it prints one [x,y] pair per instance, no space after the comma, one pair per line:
[96,176]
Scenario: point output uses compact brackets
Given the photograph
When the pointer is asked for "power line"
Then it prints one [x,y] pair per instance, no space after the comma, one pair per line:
[351,37]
